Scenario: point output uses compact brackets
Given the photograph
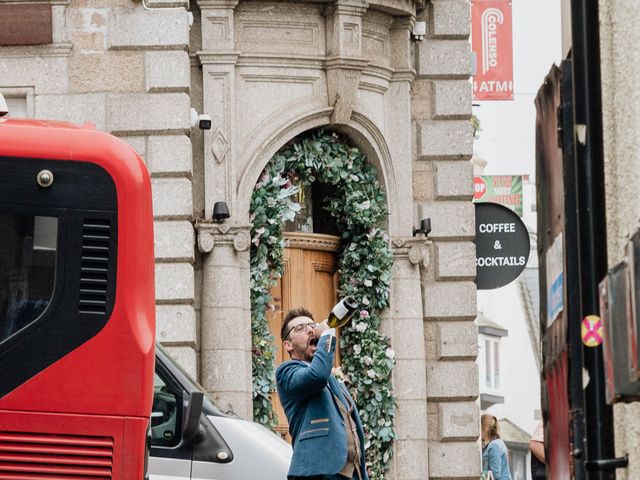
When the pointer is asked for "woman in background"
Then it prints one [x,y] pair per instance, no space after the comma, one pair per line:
[494,451]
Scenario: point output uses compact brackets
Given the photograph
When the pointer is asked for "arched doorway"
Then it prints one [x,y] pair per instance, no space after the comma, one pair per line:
[348,189]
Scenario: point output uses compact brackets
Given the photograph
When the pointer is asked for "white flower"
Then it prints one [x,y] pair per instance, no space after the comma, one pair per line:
[365,301]
[361,326]
[371,373]
[389,352]
[381,422]
[354,177]
[368,283]
[357,349]
[366,205]
[368,361]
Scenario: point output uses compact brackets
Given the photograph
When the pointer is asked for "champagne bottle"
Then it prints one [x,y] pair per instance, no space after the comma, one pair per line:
[342,312]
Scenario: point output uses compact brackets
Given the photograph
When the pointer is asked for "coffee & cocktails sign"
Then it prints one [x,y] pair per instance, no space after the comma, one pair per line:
[502,246]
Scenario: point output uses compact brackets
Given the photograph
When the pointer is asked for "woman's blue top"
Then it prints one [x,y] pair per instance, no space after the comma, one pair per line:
[495,458]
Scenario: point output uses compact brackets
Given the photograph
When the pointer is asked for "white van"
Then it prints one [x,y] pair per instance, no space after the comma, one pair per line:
[192,439]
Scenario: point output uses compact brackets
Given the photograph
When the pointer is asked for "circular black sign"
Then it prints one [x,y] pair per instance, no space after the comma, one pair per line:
[502,246]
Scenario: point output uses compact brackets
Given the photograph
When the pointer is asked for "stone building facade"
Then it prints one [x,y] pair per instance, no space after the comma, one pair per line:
[266,71]
[620,62]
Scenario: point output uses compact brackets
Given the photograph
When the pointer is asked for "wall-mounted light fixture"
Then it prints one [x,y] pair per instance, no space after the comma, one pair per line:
[425,227]
[220,212]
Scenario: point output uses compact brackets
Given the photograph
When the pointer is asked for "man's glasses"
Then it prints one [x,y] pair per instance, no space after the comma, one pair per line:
[300,327]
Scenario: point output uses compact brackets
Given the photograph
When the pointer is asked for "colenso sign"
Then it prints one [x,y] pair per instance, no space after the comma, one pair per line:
[491,41]
[502,246]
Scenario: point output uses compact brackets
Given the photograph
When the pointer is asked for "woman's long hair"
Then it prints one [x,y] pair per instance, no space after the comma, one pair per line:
[490,426]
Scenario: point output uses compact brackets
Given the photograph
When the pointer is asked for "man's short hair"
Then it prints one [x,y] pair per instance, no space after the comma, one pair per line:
[291,314]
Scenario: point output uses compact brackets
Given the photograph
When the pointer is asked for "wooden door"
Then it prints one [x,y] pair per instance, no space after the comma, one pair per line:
[310,280]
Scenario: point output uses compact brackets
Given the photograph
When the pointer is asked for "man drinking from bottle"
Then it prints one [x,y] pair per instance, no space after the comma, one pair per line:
[326,432]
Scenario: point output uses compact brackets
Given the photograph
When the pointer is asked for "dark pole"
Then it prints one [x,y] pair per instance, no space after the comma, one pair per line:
[591,220]
[572,273]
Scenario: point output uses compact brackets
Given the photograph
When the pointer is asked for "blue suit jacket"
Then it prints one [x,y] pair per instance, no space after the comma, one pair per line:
[306,392]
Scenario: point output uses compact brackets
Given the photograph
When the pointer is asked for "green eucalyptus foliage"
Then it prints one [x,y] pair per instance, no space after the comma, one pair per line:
[358,206]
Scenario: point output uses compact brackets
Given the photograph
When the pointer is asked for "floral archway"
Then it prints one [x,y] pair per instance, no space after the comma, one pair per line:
[358,206]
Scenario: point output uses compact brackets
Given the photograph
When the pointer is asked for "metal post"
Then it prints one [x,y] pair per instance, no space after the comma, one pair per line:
[591,217]
[572,273]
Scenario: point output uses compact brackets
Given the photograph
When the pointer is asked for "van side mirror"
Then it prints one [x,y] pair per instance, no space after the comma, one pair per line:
[192,412]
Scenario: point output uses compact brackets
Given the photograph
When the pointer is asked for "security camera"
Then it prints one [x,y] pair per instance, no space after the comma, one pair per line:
[202,121]
[4,109]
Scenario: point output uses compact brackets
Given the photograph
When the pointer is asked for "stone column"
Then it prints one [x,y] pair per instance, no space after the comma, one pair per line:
[405,328]
[226,318]
[344,62]
[218,59]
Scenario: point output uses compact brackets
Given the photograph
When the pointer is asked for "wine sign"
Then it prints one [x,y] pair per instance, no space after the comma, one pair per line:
[502,246]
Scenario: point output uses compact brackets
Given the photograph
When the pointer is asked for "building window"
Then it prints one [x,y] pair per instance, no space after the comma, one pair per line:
[492,363]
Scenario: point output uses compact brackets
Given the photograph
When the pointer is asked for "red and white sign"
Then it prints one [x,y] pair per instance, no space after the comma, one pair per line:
[491,41]
[479,188]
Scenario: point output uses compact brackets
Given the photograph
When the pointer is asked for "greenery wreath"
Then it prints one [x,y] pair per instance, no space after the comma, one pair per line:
[358,206]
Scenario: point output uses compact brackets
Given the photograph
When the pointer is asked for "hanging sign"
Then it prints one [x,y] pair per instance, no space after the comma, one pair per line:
[503,189]
[491,42]
[502,246]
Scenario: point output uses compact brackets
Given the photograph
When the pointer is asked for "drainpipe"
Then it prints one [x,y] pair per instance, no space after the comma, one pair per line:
[592,247]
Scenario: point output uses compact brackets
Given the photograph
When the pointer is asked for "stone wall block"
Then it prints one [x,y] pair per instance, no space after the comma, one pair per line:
[174,240]
[139,144]
[452,380]
[112,72]
[167,71]
[459,460]
[457,340]
[458,421]
[403,298]
[141,29]
[47,75]
[451,220]
[449,300]
[410,459]
[423,181]
[445,139]
[227,369]
[176,325]
[73,108]
[421,99]
[169,155]
[144,113]
[455,260]
[453,180]
[411,420]
[233,295]
[409,380]
[172,198]
[450,19]
[174,283]
[452,99]
[186,358]
[225,328]
[406,337]
[443,59]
